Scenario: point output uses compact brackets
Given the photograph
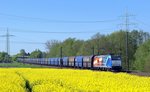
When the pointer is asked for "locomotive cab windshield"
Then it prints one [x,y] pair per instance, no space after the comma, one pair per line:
[116,62]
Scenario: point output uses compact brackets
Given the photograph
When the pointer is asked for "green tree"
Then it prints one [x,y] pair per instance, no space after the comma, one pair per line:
[86,48]
[99,43]
[76,47]
[142,57]
[103,44]
[53,47]
[22,53]
[68,47]
[3,57]
[36,54]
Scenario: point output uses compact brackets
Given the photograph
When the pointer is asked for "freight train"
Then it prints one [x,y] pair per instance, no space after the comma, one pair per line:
[101,62]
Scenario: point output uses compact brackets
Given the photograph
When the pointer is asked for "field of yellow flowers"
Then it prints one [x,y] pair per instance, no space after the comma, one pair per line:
[69,80]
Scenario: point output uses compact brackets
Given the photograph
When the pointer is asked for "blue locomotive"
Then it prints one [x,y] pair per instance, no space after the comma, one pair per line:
[102,62]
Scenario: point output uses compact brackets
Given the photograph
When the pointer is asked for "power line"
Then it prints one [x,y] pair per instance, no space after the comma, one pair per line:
[142,22]
[57,21]
[60,32]
[24,42]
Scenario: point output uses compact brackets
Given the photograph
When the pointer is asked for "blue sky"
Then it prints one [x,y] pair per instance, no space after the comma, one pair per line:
[22,17]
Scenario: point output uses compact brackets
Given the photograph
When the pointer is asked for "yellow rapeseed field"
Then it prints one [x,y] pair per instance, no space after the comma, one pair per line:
[69,80]
[10,81]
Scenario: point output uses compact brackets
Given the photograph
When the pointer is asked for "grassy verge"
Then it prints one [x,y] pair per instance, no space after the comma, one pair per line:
[20,65]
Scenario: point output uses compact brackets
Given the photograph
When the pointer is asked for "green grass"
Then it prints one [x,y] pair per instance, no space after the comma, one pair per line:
[20,65]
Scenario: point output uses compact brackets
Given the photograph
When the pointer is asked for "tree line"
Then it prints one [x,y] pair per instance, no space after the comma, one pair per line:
[98,44]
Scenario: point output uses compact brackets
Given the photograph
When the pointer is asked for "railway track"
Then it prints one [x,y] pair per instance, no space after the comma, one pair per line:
[138,73]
